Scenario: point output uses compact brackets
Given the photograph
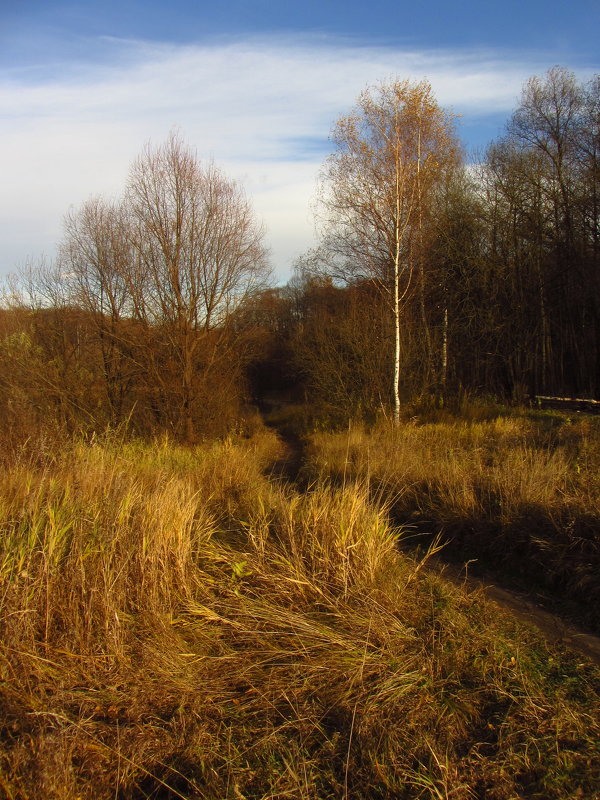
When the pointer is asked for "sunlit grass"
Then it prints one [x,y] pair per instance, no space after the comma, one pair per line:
[521,492]
[175,624]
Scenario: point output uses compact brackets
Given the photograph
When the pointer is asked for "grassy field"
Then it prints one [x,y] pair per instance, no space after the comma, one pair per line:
[517,493]
[177,625]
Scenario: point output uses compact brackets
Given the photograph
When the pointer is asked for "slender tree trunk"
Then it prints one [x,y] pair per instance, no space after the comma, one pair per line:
[398,235]
[187,376]
[428,348]
[444,375]
[397,341]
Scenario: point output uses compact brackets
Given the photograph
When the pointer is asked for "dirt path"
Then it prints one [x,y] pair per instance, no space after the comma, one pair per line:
[527,609]
[524,607]
[289,466]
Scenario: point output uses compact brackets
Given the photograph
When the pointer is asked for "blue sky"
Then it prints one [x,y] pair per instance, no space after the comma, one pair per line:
[256,85]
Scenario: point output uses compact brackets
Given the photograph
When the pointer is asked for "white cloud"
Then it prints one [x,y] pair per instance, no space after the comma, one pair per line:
[262,108]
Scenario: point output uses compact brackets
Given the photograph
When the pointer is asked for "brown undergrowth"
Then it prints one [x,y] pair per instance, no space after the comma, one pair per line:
[175,625]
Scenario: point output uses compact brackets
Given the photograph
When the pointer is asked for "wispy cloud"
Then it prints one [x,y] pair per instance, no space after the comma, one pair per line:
[262,108]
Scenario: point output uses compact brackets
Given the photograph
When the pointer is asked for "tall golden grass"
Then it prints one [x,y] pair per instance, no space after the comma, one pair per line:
[520,492]
[175,624]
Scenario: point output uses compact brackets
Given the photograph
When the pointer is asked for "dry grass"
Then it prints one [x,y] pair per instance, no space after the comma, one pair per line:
[519,492]
[176,625]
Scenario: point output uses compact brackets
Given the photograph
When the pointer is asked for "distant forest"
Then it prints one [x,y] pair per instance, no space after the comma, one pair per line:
[431,278]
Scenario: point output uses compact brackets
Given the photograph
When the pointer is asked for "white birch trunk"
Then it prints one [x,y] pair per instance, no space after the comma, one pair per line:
[398,235]
[397,340]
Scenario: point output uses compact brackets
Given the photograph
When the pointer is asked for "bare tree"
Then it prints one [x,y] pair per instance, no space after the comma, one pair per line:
[160,275]
[96,260]
[198,252]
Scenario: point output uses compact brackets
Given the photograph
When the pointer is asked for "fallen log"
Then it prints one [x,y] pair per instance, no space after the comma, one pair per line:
[586,405]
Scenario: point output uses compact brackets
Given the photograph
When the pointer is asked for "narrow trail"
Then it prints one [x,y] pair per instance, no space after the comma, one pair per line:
[523,606]
[526,608]
[289,466]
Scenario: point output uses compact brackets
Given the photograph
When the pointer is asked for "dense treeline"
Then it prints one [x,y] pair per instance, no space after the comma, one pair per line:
[503,296]
[540,190]
[445,277]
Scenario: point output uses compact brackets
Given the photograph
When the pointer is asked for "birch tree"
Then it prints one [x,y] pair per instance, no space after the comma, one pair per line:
[377,193]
